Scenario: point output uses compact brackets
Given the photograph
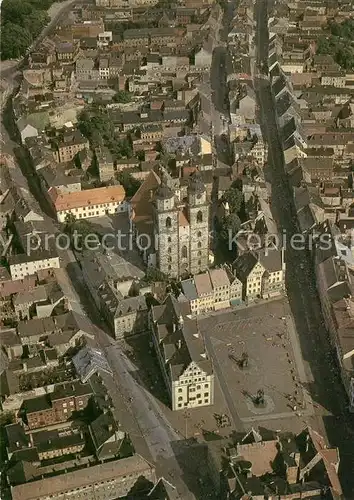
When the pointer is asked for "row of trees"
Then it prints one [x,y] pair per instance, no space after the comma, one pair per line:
[339,44]
[21,22]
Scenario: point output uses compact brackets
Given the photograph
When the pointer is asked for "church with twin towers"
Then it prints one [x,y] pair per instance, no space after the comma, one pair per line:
[179,222]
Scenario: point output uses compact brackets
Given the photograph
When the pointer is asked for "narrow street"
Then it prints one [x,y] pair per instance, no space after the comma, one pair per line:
[326,387]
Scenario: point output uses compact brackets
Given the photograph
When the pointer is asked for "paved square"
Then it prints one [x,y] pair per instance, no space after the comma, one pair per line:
[267,335]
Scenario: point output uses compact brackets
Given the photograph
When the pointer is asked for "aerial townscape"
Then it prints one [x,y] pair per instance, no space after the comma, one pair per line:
[177,253]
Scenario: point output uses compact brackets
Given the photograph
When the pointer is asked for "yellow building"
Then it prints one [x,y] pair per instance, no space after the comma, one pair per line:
[262,273]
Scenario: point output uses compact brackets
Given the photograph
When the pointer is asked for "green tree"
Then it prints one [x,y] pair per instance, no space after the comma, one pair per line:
[234,198]
[154,275]
[130,184]
[230,224]
[122,96]
[21,22]
[140,155]
[14,41]
[121,148]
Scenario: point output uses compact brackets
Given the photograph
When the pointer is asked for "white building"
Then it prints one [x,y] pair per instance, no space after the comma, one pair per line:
[90,202]
[24,265]
[186,368]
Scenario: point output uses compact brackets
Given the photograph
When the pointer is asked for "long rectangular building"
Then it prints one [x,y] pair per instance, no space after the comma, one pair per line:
[89,203]
[109,480]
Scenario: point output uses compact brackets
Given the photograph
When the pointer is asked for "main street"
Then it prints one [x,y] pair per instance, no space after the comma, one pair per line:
[136,408]
[326,388]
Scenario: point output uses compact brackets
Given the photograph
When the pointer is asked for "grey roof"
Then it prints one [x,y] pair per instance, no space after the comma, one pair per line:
[85,63]
[70,322]
[68,389]
[131,305]
[306,218]
[40,403]
[244,264]
[179,339]
[16,437]
[81,478]
[35,256]
[306,196]
[189,289]
[271,259]
[38,294]
[196,184]
[88,361]
[53,440]
[105,434]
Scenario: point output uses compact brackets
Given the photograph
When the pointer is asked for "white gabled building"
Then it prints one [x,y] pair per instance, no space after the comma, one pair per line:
[89,203]
[185,365]
[22,265]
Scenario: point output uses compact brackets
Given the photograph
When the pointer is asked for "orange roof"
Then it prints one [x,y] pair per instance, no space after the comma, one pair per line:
[182,219]
[141,202]
[79,199]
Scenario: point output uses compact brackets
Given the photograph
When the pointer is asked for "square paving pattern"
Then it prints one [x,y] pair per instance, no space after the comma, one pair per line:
[262,332]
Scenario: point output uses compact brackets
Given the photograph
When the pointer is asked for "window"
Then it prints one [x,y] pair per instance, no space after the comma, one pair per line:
[179,390]
[199,244]
[168,222]
[180,398]
[169,250]
[200,216]
[184,252]
[169,268]
[169,239]
[199,234]
[206,394]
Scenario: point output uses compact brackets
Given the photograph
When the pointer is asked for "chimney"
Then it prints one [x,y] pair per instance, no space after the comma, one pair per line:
[110,427]
[18,444]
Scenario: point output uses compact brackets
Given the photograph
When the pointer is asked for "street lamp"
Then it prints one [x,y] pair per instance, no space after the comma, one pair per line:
[186,415]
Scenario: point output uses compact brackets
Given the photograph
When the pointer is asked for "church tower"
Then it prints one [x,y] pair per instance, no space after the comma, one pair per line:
[198,214]
[166,230]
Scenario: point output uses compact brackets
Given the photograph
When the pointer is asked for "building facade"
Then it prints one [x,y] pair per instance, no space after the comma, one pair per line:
[89,203]
[25,265]
[182,231]
[187,370]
